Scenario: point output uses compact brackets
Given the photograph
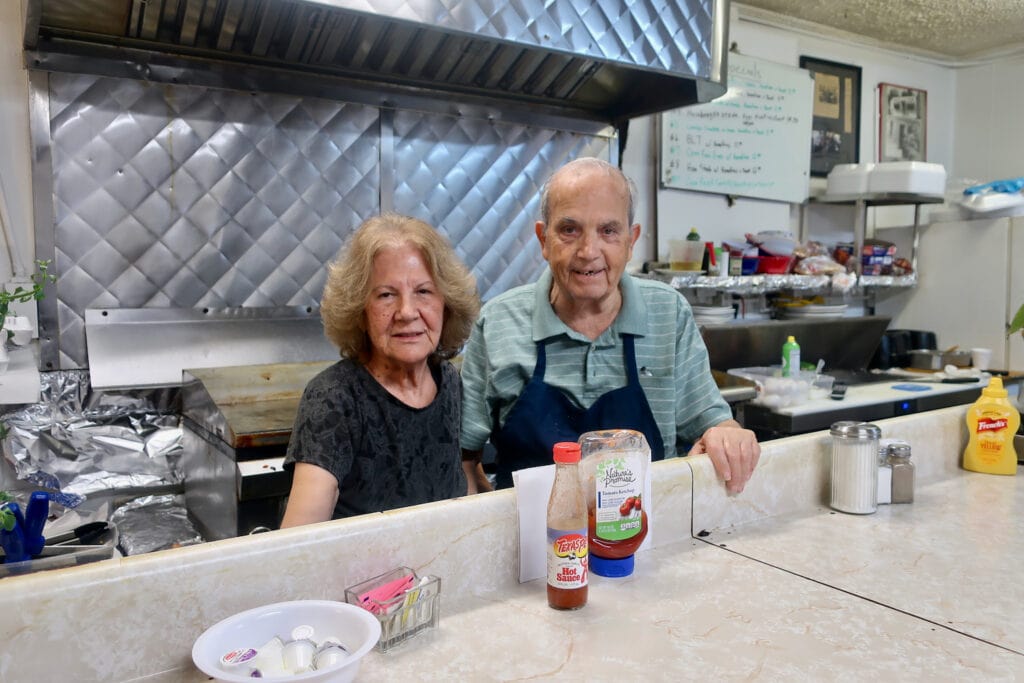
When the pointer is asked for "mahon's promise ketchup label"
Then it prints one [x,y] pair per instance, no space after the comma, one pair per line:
[567,558]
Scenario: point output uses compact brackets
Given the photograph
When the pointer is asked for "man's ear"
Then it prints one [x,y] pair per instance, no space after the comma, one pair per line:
[538,228]
[634,231]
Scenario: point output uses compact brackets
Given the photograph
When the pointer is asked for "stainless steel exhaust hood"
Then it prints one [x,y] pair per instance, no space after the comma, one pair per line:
[600,60]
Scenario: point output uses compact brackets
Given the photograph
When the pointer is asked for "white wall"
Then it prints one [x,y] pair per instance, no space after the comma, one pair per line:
[964,292]
[15,159]
[989,142]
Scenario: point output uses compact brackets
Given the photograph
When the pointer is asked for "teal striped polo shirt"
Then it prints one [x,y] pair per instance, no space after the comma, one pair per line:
[673,361]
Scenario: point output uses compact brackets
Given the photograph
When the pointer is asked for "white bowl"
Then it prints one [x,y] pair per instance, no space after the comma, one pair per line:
[355,627]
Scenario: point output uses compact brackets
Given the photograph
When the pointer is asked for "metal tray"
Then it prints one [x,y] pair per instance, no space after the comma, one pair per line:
[924,359]
[61,556]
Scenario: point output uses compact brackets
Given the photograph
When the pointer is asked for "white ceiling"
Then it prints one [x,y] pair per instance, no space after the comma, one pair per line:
[954,29]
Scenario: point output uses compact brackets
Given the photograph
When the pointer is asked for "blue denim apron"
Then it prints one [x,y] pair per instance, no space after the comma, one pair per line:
[543,415]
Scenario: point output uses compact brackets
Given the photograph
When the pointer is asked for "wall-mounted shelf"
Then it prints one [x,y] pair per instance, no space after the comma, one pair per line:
[863,201]
[762,284]
[880,198]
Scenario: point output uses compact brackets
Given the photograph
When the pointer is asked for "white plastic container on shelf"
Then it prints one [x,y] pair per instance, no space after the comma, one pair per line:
[845,179]
[20,328]
[916,177]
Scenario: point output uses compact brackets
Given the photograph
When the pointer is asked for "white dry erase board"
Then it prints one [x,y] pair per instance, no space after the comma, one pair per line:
[753,141]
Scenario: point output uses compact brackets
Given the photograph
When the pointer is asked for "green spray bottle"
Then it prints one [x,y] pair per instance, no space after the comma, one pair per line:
[790,357]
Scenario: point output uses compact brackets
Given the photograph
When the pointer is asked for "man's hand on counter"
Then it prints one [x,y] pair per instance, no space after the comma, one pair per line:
[733,450]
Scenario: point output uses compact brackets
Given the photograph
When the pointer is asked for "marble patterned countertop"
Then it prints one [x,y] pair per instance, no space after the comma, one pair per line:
[766,585]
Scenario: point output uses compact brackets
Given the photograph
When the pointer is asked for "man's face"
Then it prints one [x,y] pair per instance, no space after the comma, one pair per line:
[589,240]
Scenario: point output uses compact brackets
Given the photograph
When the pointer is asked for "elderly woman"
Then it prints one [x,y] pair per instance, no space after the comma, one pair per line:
[380,428]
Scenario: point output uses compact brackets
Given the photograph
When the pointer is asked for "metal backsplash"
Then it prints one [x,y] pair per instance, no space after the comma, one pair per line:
[188,197]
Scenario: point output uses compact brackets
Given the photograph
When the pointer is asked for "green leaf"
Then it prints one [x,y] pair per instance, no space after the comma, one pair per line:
[1017,323]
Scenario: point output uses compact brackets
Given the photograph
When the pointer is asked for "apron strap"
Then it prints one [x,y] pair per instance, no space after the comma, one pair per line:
[542,361]
[629,352]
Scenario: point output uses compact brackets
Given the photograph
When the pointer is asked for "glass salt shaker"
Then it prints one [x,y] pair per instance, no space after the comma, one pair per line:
[855,467]
[898,459]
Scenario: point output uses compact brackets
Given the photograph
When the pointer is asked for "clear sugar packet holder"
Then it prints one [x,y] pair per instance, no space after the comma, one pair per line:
[404,603]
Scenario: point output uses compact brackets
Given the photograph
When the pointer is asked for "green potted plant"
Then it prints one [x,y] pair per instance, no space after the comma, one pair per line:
[20,294]
[1017,324]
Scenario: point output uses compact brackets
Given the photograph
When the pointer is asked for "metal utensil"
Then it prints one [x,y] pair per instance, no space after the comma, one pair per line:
[80,535]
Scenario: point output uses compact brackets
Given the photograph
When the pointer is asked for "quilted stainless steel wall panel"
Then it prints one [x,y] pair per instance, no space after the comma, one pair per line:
[186,197]
[189,197]
[480,181]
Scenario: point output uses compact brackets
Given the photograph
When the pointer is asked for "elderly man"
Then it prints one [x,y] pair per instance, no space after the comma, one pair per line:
[589,347]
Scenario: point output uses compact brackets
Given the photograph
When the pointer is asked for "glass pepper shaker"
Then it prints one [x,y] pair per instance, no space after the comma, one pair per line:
[898,459]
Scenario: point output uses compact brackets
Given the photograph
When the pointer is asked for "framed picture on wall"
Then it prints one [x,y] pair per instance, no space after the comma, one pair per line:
[835,122]
[902,123]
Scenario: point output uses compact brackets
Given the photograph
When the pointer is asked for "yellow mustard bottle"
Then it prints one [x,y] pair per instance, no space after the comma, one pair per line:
[992,422]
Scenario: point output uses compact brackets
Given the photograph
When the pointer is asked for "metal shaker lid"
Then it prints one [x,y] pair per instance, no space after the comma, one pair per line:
[899,450]
[855,430]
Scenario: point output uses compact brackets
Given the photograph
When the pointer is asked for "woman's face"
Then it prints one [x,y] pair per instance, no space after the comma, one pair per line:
[405,311]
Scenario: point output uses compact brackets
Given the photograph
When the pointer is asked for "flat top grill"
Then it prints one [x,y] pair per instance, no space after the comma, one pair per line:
[247,406]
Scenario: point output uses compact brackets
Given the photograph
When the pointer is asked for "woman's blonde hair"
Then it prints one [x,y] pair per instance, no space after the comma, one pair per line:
[347,291]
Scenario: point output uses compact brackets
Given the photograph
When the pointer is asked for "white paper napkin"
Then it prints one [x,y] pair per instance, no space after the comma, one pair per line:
[533,488]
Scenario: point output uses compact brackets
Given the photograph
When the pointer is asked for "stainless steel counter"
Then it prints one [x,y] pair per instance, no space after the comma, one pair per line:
[237,422]
[734,389]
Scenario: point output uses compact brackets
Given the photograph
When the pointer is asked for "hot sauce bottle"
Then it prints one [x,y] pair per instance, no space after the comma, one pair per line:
[567,532]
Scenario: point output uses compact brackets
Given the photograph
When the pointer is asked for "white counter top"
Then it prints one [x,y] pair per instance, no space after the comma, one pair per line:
[796,592]
[952,557]
[879,392]
[692,611]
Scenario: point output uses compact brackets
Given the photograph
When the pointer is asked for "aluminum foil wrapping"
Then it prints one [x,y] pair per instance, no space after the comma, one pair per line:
[751,284]
[80,443]
[841,283]
[151,523]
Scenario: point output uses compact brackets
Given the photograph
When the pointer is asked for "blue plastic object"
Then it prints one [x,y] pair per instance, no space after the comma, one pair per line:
[13,541]
[1009,185]
[911,387]
[614,568]
[35,519]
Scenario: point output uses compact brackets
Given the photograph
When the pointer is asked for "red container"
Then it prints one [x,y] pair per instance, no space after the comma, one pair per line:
[774,265]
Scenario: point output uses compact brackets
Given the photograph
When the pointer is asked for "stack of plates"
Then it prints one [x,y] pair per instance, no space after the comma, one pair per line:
[710,315]
[816,311]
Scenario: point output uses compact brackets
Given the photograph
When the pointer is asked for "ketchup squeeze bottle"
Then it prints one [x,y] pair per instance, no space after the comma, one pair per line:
[567,532]
[615,470]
